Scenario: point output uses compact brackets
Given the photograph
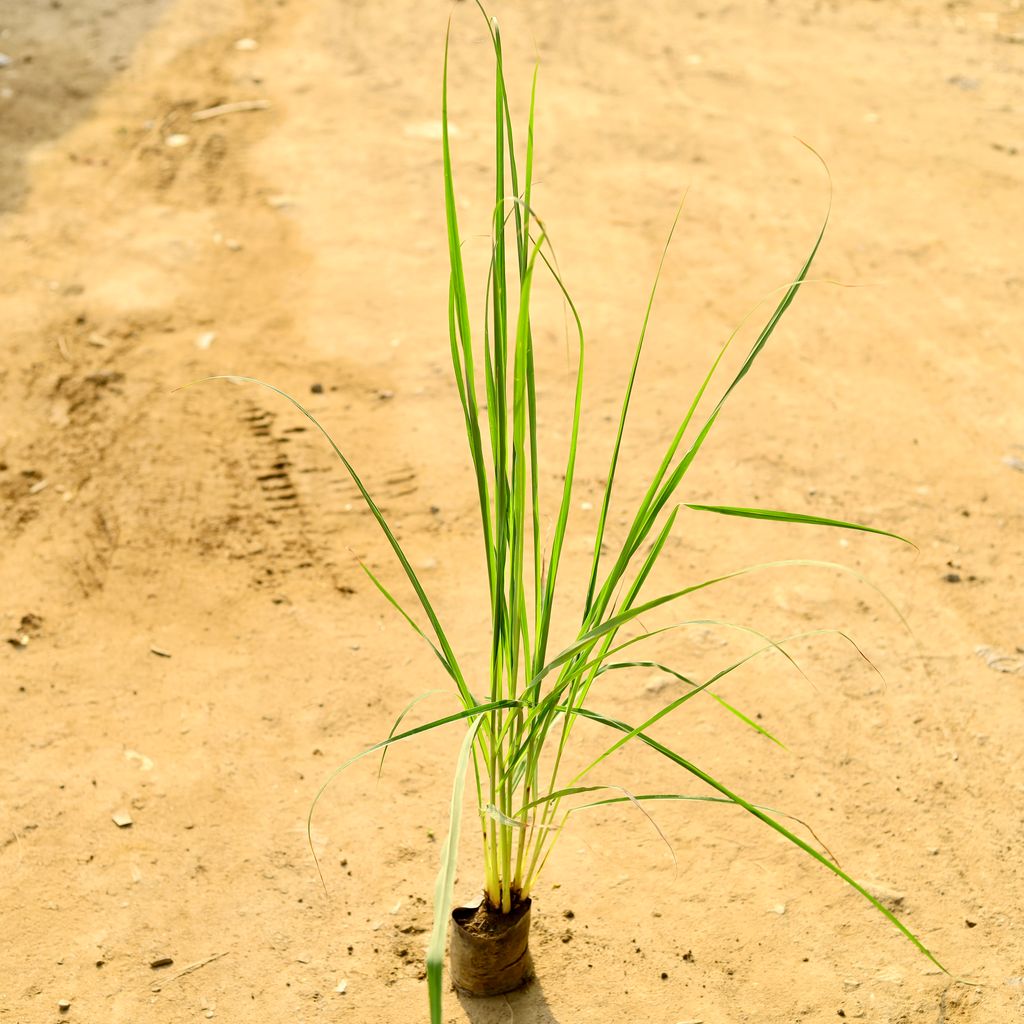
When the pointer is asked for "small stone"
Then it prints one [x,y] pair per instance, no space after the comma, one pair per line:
[122,819]
[890,975]
[161,961]
[316,389]
[64,1005]
[890,898]
[850,984]
[206,339]
[177,140]
[160,652]
[952,577]
[341,986]
[657,683]
[145,763]
[779,908]
[246,45]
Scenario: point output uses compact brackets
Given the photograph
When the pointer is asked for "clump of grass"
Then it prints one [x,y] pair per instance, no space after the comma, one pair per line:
[518,729]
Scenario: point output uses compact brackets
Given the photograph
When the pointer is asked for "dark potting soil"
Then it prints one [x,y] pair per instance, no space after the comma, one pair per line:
[485,920]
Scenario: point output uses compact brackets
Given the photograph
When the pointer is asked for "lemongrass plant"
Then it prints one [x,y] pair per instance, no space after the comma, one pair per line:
[520,722]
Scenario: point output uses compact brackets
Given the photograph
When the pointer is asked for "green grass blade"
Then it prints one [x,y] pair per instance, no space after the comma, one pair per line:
[459,324]
[617,666]
[449,654]
[635,797]
[558,538]
[398,721]
[458,716]
[445,883]
[393,601]
[610,482]
[660,490]
[615,622]
[795,517]
[672,706]
[769,821]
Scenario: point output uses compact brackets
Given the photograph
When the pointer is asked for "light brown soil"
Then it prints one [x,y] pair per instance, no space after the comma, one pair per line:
[304,244]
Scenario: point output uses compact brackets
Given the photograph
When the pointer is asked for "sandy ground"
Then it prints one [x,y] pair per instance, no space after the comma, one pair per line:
[194,645]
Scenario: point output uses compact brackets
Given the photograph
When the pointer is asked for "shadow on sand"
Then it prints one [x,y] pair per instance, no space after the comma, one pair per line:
[527,1006]
[58,57]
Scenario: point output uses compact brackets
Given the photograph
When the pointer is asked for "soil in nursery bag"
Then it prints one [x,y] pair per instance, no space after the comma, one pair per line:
[490,952]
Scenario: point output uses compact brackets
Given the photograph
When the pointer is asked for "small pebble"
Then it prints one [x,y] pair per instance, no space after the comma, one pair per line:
[122,819]
[161,961]
[246,44]
[177,140]
[64,1005]
[160,652]
[316,389]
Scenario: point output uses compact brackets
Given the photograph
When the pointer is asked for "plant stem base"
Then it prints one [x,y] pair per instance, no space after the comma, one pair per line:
[490,952]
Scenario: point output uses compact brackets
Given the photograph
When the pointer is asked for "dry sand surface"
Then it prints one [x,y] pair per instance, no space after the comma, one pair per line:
[193,643]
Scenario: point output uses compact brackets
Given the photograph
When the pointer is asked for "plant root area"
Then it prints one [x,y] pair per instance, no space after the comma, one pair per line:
[190,647]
